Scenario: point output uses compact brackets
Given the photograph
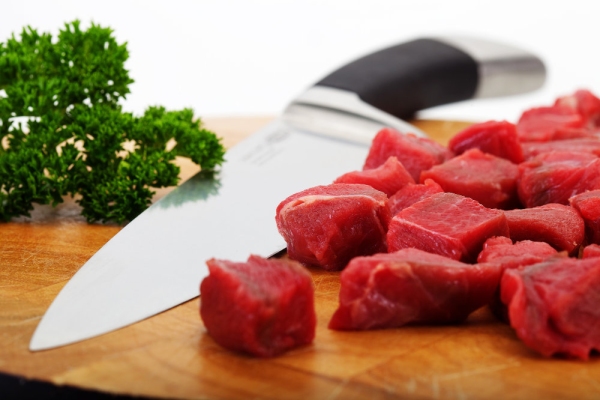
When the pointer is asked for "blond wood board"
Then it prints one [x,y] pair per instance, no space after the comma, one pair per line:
[170,355]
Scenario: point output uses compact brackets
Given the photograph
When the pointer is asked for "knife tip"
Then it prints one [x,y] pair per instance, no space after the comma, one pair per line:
[35,344]
[41,340]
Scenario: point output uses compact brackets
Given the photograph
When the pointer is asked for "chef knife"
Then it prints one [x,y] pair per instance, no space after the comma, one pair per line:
[158,260]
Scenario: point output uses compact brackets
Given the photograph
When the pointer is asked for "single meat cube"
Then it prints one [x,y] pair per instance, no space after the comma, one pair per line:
[580,145]
[498,138]
[588,205]
[411,287]
[412,193]
[585,103]
[415,153]
[556,176]
[501,251]
[262,307]
[387,178]
[490,180]
[540,124]
[553,305]
[591,250]
[558,225]
[326,226]
[447,224]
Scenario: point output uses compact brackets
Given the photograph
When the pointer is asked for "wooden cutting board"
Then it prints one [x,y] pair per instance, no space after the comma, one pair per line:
[170,355]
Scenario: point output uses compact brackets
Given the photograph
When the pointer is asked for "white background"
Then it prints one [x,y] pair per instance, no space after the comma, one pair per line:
[230,57]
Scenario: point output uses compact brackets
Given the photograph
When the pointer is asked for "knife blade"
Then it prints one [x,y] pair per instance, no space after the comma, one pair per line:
[158,260]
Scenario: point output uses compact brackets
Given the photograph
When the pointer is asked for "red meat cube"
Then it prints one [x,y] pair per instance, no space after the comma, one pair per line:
[558,225]
[540,124]
[556,176]
[411,287]
[498,138]
[501,251]
[387,178]
[588,205]
[585,103]
[591,250]
[262,307]
[412,193]
[580,145]
[490,180]
[415,153]
[326,226]
[553,305]
[447,224]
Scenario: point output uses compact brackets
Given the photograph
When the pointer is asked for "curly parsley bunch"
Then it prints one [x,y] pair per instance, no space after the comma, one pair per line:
[63,132]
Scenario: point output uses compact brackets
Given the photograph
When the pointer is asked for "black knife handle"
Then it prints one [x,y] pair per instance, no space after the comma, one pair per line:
[409,77]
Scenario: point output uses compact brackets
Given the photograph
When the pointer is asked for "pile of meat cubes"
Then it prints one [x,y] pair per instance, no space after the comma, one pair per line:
[506,216]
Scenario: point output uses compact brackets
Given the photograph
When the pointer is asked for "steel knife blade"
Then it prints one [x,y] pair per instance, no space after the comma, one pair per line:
[158,260]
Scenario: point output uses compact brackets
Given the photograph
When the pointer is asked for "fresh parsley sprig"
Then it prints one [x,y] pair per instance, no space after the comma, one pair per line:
[64,133]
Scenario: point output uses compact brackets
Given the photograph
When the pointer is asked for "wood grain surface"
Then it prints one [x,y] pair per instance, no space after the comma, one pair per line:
[171,356]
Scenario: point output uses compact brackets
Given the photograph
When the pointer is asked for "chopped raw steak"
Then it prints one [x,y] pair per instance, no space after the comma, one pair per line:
[493,137]
[501,251]
[412,193]
[556,176]
[588,205]
[585,103]
[326,226]
[490,180]
[589,251]
[387,178]
[448,224]
[582,145]
[558,225]
[415,153]
[411,287]
[553,305]
[540,124]
[261,307]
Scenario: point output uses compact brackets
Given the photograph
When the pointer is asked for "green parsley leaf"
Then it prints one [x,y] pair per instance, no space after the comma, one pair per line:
[63,131]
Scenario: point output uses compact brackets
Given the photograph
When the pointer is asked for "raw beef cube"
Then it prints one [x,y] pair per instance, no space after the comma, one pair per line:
[556,176]
[585,103]
[415,153]
[262,306]
[411,287]
[326,226]
[490,180]
[553,305]
[447,224]
[588,205]
[581,145]
[592,250]
[501,251]
[558,225]
[493,137]
[412,193]
[540,124]
[387,178]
